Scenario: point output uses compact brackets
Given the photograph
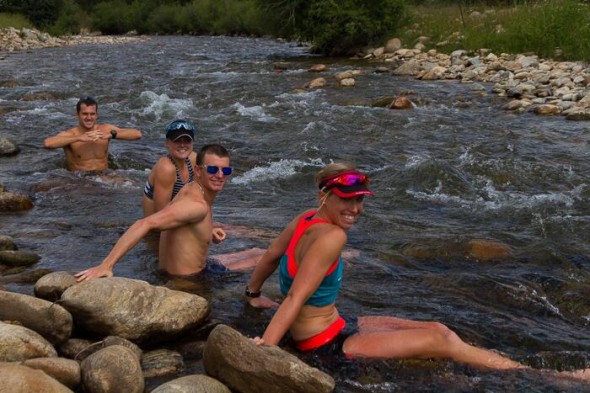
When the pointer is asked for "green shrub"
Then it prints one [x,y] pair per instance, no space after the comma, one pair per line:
[113,17]
[70,21]
[17,21]
[42,13]
[165,20]
[345,27]
[221,17]
[337,28]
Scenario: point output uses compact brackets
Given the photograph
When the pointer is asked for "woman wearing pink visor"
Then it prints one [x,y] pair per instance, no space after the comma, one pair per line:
[307,253]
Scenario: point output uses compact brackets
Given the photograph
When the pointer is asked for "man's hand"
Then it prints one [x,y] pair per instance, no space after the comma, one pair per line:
[95,135]
[94,272]
[218,235]
[262,302]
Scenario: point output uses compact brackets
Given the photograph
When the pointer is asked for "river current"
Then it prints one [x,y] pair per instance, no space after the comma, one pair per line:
[455,168]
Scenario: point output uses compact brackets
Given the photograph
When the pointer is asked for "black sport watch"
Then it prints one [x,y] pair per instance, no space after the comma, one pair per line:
[249,293]
[113,134]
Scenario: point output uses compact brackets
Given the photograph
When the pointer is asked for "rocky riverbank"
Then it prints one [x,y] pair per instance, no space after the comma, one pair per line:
[530,83]
[12,39]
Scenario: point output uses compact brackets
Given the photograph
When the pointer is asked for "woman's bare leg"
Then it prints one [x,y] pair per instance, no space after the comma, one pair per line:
[240,260]
[396,338]
[399,338]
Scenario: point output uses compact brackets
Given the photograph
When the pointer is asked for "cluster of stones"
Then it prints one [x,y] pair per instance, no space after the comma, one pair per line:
[12,39]
[546,87]
[104,334]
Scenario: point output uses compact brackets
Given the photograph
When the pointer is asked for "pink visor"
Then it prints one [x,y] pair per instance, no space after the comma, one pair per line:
[348,184]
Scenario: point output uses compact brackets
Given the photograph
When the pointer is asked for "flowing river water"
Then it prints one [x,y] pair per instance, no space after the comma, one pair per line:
[454,169]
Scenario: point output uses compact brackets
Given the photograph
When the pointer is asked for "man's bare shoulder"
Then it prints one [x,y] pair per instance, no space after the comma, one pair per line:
[191,193]
[193,188]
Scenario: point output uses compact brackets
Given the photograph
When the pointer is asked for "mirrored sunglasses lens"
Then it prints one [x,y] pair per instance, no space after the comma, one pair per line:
[212,169]
[179,125]
[349,180]
[227,170]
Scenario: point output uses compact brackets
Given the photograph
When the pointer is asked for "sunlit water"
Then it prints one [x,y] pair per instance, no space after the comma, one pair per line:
[456,168]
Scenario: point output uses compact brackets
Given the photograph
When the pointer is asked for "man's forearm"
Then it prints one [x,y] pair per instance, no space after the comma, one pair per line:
[126,242]
[59,141]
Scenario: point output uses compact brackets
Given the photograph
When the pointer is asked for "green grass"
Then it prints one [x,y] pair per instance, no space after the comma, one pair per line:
[551,29]
[14,20]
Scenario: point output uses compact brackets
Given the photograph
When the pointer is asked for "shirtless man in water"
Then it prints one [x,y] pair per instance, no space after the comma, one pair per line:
[86,146]
[186,224]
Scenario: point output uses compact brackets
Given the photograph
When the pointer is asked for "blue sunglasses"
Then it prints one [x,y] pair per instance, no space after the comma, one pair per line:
[213,169]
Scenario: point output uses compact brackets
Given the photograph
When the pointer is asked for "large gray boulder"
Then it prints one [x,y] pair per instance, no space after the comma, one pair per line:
[18,343]
[133,309]
[50,320]
[246,367]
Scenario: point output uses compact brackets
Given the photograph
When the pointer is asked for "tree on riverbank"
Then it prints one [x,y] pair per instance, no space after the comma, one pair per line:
[333,28]
[337,28]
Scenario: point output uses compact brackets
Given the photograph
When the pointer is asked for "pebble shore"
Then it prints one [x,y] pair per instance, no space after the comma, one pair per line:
[12,39]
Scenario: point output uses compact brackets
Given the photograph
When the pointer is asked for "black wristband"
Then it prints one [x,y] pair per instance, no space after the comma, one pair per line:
[249,293]
[113,134]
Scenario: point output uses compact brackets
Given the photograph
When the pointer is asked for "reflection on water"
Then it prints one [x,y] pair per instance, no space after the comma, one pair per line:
[455,169]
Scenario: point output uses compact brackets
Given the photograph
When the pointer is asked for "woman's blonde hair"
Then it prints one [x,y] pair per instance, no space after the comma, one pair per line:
[331,170]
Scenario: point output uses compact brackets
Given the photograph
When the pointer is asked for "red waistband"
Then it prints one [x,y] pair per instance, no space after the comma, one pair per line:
[322,338]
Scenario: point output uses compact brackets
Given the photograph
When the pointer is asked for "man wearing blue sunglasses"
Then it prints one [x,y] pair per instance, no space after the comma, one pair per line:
[86,146]
[186,222]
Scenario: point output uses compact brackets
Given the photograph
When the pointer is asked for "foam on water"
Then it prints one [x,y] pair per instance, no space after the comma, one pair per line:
[281,169]
[163,107]
[256,112]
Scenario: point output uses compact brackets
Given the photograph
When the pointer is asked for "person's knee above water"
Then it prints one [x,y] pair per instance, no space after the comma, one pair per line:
[172,171]
[86,145]
[186,222]
[307,254]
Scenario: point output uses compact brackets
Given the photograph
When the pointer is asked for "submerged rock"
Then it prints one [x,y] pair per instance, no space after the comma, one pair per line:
[8,147]
[7,243]
[18,258]
[10,202]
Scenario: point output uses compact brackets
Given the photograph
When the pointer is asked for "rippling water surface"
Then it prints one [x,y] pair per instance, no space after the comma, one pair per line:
[454,169]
